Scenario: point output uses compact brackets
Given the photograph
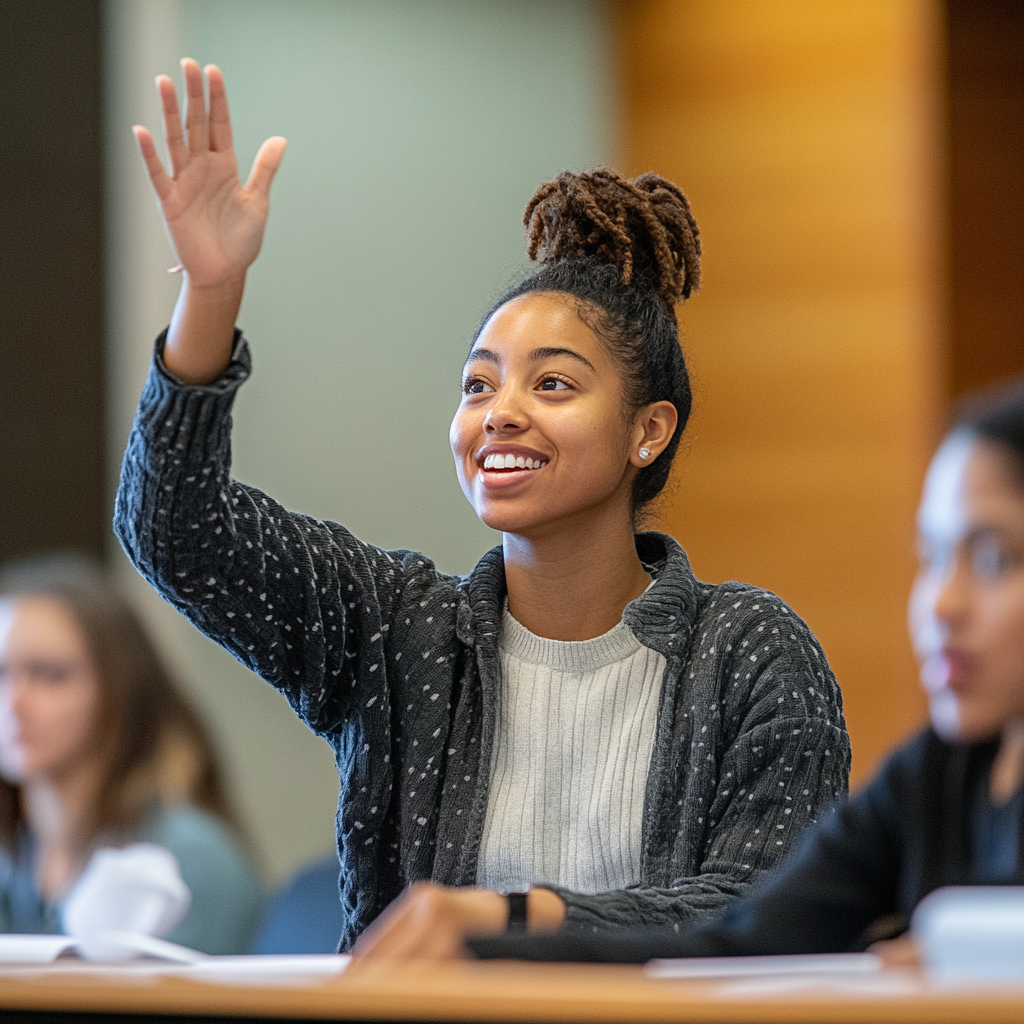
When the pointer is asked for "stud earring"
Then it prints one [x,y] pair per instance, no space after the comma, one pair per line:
[644,453]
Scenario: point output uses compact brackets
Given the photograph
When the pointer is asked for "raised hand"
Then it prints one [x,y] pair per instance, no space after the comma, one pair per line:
[215,223]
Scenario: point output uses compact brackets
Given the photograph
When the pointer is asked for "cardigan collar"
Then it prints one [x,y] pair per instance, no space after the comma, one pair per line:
[662,618]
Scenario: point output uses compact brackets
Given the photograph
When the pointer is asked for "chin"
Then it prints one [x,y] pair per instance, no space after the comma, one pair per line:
[954,722]
[508,519]
[505,523]
[944,712]
[12,774]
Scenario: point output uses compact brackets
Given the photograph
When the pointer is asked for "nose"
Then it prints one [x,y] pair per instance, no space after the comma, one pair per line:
[506,414]
[950,600]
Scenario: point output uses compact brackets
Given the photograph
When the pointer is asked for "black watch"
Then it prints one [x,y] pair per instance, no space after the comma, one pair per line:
[516,912]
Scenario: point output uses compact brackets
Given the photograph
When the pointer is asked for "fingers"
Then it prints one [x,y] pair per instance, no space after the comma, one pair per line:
[375,941]
[195,108]
[154,165]
[420,925]
[172,124]
[220,120]
[265,166]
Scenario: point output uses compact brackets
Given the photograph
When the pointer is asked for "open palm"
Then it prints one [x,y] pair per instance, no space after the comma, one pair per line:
[215,223]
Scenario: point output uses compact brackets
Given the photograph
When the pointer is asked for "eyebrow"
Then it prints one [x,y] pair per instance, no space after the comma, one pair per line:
[535,356]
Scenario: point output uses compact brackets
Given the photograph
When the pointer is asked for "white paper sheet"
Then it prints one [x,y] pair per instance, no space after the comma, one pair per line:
[33,949]
[759,966]
[291,970]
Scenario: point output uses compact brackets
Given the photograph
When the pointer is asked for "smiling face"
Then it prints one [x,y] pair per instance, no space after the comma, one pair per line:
[49,690]
[541,436]
[967,604]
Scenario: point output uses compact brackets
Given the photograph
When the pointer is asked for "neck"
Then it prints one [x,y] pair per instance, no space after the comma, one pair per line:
[1007,772]
[573,583]
[57,809]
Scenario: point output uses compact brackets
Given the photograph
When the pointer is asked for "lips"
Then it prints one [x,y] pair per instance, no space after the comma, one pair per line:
[947,670]
[509,459]
[503,462]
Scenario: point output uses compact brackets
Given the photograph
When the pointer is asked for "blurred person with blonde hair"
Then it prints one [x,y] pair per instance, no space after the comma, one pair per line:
[99,748]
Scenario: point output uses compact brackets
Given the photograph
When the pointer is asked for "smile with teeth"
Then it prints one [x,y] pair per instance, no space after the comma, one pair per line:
[499,461]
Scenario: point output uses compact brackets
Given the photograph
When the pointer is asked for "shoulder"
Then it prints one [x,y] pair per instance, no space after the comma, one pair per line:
[760,626]
[925,765]
[203,844]
[684,607]
[743,610]
[226,895]
[765,650]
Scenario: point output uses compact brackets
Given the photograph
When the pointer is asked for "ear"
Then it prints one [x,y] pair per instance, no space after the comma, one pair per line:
[653,427]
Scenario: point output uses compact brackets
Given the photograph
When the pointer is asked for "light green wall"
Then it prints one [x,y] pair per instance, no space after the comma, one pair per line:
[417,131]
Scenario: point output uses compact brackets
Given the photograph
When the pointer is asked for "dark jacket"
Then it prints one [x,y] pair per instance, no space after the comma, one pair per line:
[396,665]
[907,833]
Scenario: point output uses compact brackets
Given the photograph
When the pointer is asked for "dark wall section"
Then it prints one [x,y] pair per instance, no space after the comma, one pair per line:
[986,190]
[51,278]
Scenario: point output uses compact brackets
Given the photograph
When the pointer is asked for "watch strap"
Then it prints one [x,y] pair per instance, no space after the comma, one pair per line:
[516,912]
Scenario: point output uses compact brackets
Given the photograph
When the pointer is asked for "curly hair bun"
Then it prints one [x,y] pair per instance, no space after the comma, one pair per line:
[643,225]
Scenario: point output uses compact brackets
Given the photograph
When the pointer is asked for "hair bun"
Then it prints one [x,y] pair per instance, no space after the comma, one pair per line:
[643,225]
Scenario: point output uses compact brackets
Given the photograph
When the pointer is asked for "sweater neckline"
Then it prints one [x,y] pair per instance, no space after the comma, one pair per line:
[661,619]
[578,656]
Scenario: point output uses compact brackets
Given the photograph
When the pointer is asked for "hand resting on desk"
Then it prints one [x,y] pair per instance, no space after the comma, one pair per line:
[432,922]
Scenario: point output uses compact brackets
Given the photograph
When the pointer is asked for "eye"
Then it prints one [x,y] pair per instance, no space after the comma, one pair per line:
[989,558]
[554,384]
[52,673]
[475,386]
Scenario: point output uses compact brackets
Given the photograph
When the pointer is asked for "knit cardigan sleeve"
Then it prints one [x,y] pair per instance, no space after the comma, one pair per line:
[302,603]
[763,759]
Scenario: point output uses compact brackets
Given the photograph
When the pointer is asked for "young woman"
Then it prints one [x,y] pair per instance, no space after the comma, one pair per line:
[947,808]
[579,717]
[98,748]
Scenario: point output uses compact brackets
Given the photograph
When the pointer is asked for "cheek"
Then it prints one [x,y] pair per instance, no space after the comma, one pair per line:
[1006,633]
[10,752]
[464,432]
[67,722]
[921,614]
[453,435]
[595,443]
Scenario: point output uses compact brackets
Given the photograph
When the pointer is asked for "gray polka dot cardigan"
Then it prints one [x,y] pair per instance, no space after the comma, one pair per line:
[396,665]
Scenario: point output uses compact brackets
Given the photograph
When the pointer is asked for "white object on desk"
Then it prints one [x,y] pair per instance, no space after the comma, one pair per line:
[300,970]
[137,889]
[45,949]
[33,949]
[283,969]
[972,933]
[760,966]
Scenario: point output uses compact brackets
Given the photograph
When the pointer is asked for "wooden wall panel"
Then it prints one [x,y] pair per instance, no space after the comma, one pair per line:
[986,191]
[807,138]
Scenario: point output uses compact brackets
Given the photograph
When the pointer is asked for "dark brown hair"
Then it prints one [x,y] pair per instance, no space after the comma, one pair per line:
[153,746]
[996,416]
[627,250]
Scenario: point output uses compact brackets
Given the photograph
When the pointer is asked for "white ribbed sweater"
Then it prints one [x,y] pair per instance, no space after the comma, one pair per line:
[572,749]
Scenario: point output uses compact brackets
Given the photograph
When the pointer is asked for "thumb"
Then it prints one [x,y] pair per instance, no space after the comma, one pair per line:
[265,166]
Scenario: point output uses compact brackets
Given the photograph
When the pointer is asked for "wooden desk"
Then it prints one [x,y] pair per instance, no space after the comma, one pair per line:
[494,992]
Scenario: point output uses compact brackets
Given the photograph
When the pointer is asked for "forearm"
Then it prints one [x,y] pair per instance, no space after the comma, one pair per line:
[202,331]
[651,906]
[194,533]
